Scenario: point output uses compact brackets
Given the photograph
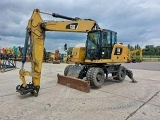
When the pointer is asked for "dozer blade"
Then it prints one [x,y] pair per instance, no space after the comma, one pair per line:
[74,83]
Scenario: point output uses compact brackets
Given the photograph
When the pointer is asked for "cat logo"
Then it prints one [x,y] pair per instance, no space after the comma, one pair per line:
[72,26]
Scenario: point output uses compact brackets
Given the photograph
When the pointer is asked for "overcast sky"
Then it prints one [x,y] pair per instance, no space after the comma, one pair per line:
[135,21]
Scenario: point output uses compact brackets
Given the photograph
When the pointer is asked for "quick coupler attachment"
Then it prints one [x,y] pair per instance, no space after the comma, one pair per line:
[28,89]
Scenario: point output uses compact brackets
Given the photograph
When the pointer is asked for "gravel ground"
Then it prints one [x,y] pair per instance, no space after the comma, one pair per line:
[113,101]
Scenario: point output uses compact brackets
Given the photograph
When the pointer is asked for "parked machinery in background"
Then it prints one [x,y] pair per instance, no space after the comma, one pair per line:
[51,57]
[69,60]
[8,59]
[135,55]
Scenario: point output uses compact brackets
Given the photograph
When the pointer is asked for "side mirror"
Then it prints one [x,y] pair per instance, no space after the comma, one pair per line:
[65,47]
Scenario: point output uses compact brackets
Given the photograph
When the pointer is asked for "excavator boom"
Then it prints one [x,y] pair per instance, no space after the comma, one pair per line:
[35,36]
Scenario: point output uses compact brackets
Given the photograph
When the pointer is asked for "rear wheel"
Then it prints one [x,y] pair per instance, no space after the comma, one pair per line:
[96,76]
[121,74]
[67,69]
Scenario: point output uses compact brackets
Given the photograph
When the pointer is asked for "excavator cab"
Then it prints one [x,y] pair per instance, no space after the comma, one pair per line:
[95,61]
[100,43]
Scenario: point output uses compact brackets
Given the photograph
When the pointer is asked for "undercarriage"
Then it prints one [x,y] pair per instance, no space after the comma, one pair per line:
[94,74]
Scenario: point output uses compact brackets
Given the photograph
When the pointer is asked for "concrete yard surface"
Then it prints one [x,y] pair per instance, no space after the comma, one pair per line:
[113,101]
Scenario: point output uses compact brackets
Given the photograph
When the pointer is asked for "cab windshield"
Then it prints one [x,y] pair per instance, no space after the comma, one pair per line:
[93,40]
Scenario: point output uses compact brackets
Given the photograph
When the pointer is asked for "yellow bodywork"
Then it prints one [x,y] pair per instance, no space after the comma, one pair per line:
[78,55]
[133,54]
[52,56]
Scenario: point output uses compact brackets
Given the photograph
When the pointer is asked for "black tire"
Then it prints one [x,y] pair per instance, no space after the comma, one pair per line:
[89,74]
[134,61]
[67,69]
[97,77]
[121,74]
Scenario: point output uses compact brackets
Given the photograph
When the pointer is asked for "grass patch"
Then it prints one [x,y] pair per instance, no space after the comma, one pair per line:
[153,58]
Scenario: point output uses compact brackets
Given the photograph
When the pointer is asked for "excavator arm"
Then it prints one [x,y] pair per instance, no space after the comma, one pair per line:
[35,34]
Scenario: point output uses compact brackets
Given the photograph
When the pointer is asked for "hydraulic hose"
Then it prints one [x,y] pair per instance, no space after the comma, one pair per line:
[25,48]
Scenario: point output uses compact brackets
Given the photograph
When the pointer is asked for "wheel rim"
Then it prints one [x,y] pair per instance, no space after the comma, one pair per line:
[122,73]
[99,77]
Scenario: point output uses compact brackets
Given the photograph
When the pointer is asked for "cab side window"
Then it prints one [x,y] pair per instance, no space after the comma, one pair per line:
[106,39]
[114,38]
[118,51]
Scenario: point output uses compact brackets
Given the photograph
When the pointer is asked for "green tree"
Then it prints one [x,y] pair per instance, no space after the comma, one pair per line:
[130,47]
[137,46]
[149,50]
[69,51]
[157,50]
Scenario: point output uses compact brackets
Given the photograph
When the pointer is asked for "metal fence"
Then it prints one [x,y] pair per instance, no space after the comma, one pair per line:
[151,58]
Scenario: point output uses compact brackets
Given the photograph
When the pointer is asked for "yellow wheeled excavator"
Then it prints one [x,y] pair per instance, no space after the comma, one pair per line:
[95,61]
[135,55]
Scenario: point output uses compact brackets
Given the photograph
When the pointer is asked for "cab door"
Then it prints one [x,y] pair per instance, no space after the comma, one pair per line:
[106,45]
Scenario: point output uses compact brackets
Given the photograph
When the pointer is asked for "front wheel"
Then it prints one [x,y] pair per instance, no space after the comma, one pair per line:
[66,70]
[97,76]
